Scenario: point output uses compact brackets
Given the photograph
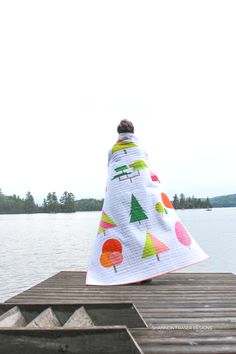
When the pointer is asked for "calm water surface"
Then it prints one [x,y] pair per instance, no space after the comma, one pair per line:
[34,247]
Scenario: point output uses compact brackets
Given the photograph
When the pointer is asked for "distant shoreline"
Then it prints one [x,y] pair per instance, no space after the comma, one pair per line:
[84,211]
[14,204]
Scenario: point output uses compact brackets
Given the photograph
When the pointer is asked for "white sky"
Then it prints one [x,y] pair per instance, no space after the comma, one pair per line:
[70,70]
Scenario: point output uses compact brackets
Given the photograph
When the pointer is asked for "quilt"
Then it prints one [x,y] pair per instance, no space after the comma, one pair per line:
[140,235]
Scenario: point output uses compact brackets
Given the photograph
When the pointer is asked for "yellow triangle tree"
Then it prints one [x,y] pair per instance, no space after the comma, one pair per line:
[105,223]
[138,165]
[123,145]
[153,247]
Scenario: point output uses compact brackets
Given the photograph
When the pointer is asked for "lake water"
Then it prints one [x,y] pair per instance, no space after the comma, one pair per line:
[34,247]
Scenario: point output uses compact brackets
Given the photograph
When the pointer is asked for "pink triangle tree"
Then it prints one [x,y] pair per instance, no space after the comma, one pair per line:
[105,223]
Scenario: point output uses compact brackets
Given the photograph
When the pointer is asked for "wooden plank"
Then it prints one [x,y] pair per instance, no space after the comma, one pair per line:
[185,312]
[154,333]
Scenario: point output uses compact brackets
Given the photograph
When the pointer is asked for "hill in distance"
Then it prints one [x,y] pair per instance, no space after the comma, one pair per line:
[224,201]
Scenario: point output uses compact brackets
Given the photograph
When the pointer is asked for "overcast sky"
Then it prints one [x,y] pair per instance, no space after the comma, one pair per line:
[70,70]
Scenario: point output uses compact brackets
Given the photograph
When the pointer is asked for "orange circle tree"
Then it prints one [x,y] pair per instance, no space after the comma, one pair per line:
[111,254]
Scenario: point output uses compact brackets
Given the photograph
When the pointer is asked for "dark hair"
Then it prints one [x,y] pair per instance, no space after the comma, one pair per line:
[125,126]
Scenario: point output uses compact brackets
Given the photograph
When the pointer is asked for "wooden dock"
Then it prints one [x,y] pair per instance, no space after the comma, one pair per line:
[185,312]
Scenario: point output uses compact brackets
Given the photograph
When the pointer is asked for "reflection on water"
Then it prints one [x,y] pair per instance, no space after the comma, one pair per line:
[34,247]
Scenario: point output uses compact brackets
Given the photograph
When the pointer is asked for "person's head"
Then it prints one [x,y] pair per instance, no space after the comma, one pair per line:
[125,126]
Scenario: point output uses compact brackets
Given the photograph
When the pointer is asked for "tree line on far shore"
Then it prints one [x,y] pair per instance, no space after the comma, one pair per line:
[13,204]
[183,202]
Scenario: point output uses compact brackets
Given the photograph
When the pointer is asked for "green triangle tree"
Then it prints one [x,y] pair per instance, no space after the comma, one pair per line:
[136,212]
